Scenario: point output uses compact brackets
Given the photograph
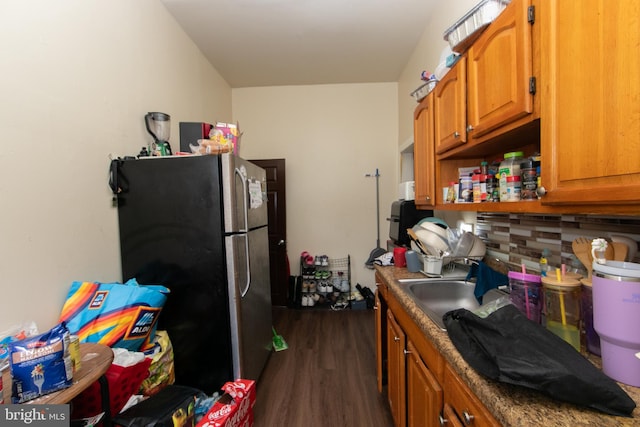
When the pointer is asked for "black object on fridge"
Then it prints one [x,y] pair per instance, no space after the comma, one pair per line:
[198,225]
[191,132]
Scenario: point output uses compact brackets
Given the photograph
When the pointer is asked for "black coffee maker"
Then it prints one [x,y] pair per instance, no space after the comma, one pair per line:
[404,215]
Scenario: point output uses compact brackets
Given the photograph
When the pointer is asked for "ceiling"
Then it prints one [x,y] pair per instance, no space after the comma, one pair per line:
[301,42]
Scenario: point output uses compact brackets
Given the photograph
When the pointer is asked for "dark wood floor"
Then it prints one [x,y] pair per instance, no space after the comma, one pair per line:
[327,375]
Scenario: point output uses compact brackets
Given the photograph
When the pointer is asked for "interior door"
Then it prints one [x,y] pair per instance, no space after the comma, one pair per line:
[277,213]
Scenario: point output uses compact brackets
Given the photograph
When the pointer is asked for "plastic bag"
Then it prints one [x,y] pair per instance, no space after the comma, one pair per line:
[172,406]
[161,371]
[114,314]
[14,333]
[507,347]
[40,364]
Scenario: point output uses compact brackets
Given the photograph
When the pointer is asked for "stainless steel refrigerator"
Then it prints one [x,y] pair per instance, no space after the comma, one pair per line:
[198,225]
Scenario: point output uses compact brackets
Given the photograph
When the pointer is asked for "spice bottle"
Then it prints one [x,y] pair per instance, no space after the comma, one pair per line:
[510,166]
[451,193]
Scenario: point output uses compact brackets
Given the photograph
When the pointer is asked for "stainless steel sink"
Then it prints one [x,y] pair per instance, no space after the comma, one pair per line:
[437,296]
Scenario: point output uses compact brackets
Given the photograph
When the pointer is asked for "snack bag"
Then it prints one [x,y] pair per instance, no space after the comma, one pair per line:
[40,364]
[161,371]
[114,314]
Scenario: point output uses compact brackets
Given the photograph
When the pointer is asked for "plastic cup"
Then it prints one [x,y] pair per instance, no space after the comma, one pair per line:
[526,294]
[591,337]
[562,308]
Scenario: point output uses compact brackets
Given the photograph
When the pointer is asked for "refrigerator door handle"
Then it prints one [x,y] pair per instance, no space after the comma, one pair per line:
[245,209]
[244,291]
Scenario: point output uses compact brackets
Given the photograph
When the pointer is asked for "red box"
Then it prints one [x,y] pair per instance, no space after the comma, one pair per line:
[234,408]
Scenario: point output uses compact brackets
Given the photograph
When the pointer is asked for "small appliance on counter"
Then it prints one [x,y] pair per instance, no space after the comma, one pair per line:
[407,190]
[404,215]
[191,132]
[159,127]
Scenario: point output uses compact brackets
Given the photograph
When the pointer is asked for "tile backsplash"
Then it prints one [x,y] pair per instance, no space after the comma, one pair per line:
[521,238]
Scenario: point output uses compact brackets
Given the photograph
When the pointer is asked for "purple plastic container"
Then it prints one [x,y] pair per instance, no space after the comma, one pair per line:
[616,316]
[526,294]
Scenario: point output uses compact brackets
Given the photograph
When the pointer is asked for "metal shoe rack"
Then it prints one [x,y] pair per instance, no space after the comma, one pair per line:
[326,284]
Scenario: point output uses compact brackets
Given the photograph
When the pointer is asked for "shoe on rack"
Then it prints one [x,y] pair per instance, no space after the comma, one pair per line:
[312,286]
[310,301]
[317,260]
[324,260]
[305,300]
[322,286]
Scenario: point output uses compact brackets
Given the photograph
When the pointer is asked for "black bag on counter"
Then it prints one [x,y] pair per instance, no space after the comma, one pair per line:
[507,347]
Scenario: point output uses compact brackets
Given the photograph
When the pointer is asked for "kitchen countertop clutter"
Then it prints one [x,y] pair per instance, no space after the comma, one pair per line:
[510,405]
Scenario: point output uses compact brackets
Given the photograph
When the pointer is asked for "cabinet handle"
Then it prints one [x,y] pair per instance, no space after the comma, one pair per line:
[396,339]
[427,197]
[469,128]
[406,352]
[375,307]
[456,134]
[467,418]
[443,421]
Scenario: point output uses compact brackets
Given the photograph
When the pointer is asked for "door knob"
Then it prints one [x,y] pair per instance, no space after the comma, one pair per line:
[281,242]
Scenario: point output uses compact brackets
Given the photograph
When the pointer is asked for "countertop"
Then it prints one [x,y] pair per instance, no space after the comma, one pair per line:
[511,405]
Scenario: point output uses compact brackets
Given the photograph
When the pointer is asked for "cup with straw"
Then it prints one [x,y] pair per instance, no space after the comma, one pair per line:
[562,296]
[526,293]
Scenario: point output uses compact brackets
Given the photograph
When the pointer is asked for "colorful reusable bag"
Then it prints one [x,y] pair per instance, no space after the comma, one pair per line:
[114,314]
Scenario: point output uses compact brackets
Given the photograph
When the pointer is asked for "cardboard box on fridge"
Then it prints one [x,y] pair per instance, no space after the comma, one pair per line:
[234,408]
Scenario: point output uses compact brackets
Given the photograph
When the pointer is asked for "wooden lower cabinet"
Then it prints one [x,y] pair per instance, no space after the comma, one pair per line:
[424,394]
[396,390]
[381,332]
[469,410]
[422,389]
[449,417]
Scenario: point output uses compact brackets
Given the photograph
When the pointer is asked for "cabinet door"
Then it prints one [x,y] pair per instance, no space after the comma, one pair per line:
[450,107]
[590,126]
[465,404]
[423,153]
[449,417]
[380,309]
[499,71]
[424,394]
[396,341]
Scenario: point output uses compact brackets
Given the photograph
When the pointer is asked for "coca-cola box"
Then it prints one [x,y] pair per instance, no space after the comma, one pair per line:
[234,408]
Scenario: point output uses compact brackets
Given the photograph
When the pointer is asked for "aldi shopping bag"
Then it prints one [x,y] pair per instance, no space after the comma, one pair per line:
[114,314]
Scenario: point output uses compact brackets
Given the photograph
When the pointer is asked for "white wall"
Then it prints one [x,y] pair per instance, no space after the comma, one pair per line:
[427,57]
[77,78]
[330,136]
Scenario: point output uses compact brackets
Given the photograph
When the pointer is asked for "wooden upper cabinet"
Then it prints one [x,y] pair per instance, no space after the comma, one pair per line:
[590,126]
[450,107]
[423,153]
[500,80]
